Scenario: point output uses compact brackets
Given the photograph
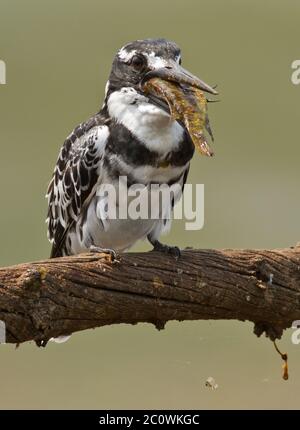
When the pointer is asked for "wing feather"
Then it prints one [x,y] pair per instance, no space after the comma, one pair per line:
[75,176]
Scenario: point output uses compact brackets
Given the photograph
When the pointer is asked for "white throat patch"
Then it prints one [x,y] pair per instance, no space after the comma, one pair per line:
[150,124]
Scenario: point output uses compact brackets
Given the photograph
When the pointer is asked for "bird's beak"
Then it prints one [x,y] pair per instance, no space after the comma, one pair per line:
[175,73]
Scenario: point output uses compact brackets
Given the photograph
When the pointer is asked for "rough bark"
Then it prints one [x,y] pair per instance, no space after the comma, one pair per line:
[49,298]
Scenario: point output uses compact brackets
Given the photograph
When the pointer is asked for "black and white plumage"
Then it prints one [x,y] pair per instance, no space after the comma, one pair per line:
[133,135]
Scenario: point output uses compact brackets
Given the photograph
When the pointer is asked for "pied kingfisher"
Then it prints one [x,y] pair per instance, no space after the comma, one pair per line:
[132,136]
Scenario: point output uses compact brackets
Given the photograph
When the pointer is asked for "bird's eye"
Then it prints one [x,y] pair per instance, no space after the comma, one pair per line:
[138,62]
[179,61]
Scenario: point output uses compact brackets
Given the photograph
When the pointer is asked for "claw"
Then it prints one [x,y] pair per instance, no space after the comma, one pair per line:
[172,250]
[98,250]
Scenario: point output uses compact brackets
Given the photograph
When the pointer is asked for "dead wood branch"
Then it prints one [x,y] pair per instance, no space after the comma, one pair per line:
[48,298]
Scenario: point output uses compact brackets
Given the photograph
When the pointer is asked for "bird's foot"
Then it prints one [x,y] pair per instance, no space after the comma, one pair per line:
[171,250]
[110,252]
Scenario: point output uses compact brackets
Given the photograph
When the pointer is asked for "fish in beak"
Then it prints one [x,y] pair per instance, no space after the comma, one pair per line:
[183,93]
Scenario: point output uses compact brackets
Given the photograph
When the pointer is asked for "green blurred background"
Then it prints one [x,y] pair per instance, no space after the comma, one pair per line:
[58,57]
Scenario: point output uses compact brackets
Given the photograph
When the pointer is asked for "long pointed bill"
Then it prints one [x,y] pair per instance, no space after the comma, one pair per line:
[175,73]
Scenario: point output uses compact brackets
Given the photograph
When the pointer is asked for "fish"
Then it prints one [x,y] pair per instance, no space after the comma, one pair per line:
[187,105]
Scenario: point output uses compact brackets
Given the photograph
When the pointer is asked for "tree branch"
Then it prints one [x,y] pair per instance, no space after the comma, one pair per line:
[60,296]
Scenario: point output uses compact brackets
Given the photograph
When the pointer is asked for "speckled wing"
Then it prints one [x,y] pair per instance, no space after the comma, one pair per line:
[75,179]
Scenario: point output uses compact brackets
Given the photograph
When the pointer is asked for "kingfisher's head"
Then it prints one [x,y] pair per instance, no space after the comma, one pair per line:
[139,61]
